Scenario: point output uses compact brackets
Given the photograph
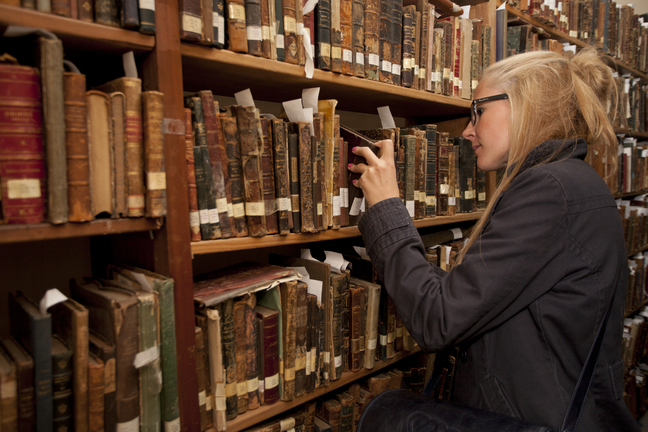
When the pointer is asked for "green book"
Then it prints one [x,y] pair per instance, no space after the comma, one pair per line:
[63,403]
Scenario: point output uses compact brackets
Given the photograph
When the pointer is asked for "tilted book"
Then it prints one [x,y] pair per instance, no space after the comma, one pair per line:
[24,381]
[330,411]
[153,139]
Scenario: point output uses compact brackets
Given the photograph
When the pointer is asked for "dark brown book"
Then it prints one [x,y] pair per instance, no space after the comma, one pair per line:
[253,27]
[260,359]
[344,182]
[293,167]
[240,351]
[409,12]
[269,319]
[268,177]
[288,292]
[24,365]
[153,139]
[281,175]
[229,358]
[443,174]
[194,217]
[214,137]
[205,415]
[222,152]
[251,351]
[246,118]
[423,44]
[61,7]
[268,40]
[453,176]
[207,24]
[190,20]
[397,40]
[100,347]
[236,26]
[467,180]
[230,136]
[385,41]
[330,411]
[301,338]
[96,387]
[63,401]
[371,39]
[312,342]
[290,31]
[357,38]
[347,408]
[107,13]
[202,323]
[346,36]
[76,138]
[323,35]
[339,284]
[355,318]
[118,109]
[335,212]
[336,37]
[305,175]
[319,175]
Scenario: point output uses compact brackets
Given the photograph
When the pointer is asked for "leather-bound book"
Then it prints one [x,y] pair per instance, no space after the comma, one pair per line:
[320,425]
[383,322]
[453,175]
[391,327]
[76,138]
[61,7]
[218,23]
[24,383]
[22,155]
[253,27]
[293,167]
[327,107]
[346,36]
[312,342]
[357,38]
[430,170]
[229,358]
[62,400]
[424,44]
[201,355]
[113,314]
[240,350]
[33,330]
[323,35]
[468,202]
[202,323]
[281,175]
[269,319]
[214,136]
[266,37]
[101,153]
[246,118]
[443,180]
[106,13]
[319,180]
[447,56]
[130,14]
[302,129]
[118,110]
[216,370]
[238,221]
[406,71]
[336,37]
[339,283]
[347,408]
[259,360]
[155,175]
[207,17]
[344,182]
[96,386]
[278,49]
[288,292]
[397,40]
[268,177]
[438,50]
[236,26]
[103,349]
[70,323]
[475,64]
[372,302]
[132,88]
[480,187]
[384,41]
[209,228]
[8,393]
[194,216]
[251,352]
[330,411]
[146,17]
[308,21]
[290,31]
[420,161]
[190,20]
[356,293]
[301,338]
[335,212]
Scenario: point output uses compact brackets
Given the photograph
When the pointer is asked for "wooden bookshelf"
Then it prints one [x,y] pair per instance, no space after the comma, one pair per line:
[266,412]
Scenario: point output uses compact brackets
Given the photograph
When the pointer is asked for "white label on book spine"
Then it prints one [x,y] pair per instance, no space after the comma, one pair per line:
[219,28]
[254,33]
[290,25]
[410,207]
[129,426]
[374,60]
[135,201]
[416,195]
[325,49]
[265,30]
[239,210]
[287,424]
[383,340]
[327,357]
[314,359]
[430,200]
[300,362]
[344,197]
[390,337]
[201,398]
[421,73]
[221,205]
[283,204]
[359,58]
[253,384]
[230,210]
[481,196]
[371,344]
[231,390]
[272,382]
[469,194]
[147,4]
[208,403]
[338,361]
[444,189]
[289,374]
[451,200]
[416,70]
[347,55]
[385,65]
[355,207]
[336,52]
[241,389]
[236,11]
[396,69]
[219,397]
[194,219]
[279,40]
[320,209]
[23,188]
[308,362]
[456,233]
[255,208]
[336,205]
[213,216]
[172,426]
[155,180]
[191,24]
[204,216]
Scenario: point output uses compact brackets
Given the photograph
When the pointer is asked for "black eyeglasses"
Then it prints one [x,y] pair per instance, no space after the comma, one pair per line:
[474,113]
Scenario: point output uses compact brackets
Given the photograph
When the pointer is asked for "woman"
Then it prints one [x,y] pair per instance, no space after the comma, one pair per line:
[539,271]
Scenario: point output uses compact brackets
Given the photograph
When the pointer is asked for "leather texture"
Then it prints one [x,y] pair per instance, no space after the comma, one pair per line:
[400,410]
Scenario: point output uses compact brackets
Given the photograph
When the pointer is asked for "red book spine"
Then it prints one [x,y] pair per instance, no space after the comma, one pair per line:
[22,157]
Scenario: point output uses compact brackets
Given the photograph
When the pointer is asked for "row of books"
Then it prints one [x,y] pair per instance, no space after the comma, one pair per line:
[254,175]
[636,296]
[631,111]
[103,360]
[634,216]
[72,154]
[126,14]
[608,25]
[382,40]
[632,167]
[635,358]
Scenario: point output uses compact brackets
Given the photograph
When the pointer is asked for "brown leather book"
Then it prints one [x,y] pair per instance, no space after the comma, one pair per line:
[347,408]
[222,151]
[216,370]
[357,38]
[319,183]
[61,7]
[344,182]
[70,322]
[335,204]
[312,343]
[251,352]
[281,180]
[293,167]
[240,350]
[370,312]
[355,318]
[85,10]
[101,153]
[190,20]
[397,40]
[339,283]
[346,36]
[323,35]
[290,31]
[194,217]
[207,17]
[384,41]
[268,177]
[76,138]
[330,412]
[154,169]
[96,386]
[106,13]
[100,347]
[288,292]
[453,187]
[132,88]
[253,27]
[118,109]
[201,354]
[24,380]
[438,51]
[377,383]
[246,118]
[63,403]
[233,151]
[327,107]
[213,130]
[302,129]
[113,314]
[202,323]
[301,338]
[236,26]
[371,39]
[336,37]
[443,179]
[267,39]
[423,44]
[229,358]
[269,319]
[409,13]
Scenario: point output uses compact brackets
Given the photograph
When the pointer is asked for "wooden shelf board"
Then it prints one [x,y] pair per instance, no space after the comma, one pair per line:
[266,412]
[252,243]
[45,231]
[76,33]
[632,133]
[281,82]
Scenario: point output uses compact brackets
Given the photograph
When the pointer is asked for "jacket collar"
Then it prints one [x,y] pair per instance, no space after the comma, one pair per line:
[559,149]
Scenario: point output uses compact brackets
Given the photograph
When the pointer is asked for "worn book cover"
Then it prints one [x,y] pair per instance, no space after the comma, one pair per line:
[269,319]
[290,31]
[330,411]
[240,351]
[443,174]
[327,107]
[216,370]
[339,284]
[207,212]
[194,216]
[118,108]
[24,383]
[323,35]
[293,167]
[305,175]
[252,370]
[301,338]
[346,36]
[153,139]
[253,27]
[96,386]
[101,154]
[281,175]
[268,177]
[236,26]
[8,393]
[288,292]
[63,402]
[105,350]
[201,356]
[238,222]
[190,20]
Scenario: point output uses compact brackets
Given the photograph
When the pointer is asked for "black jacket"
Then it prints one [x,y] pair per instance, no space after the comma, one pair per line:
[525,303]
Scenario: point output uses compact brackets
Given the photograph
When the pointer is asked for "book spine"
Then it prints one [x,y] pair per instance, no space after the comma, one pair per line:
[190,20]
[148,374]
[240,354]
[336,37]
[430,174]
[293,154]
[372,39]
[337,285]
[9,397]
[453,186]
[118,116]
[312,342]
[251,169]
[421,167]
[194,216]
[281,175]
[357,29]
[319,180]
[346,38]
[301,323]
[230,137]
[254,33]
[279,30]
[252,372]
[396,40]
[466,176]
[410,172]
[217,377]
[153,138]
[305,176]
[61,7]
[344,187]
[384,41]
[271,358]
[201,194]
[202,323]
[266,42]
[146,17]
[335,204]
[289,299]
[130,14]
[201,373]
[96,387]
[268,182]
[323,35]
[62,397]
[407,63]
[207,17]
[290,31]
[106,12]
[443,185]
[371,333]
[354,326]
[229,358]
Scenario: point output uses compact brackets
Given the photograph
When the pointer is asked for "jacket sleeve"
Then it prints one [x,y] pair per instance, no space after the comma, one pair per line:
[498,276]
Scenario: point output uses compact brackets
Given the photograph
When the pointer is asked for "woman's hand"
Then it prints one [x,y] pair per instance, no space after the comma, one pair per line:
[378,177]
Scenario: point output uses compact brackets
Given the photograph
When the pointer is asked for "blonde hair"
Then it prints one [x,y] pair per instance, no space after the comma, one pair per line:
[552,98]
